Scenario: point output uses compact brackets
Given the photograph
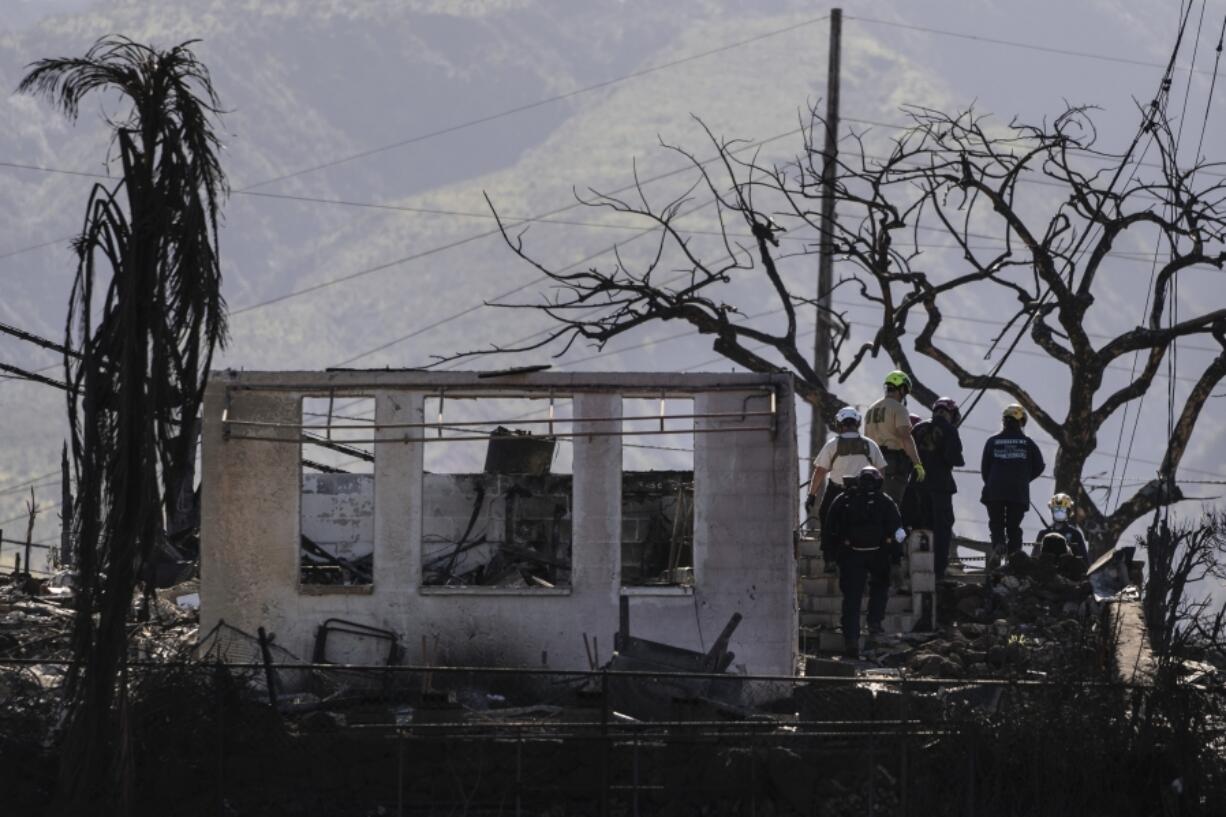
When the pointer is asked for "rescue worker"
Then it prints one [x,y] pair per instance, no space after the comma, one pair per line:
[1011,461]
[940,450]
[915,508]
[1062,524]
[864,528]
[840,459]
[888,424]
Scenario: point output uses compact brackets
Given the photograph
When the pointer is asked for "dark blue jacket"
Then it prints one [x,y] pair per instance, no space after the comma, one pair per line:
[1010,461]
[940,450]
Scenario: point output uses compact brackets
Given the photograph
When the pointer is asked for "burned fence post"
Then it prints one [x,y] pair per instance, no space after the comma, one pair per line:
[969,809]
[605,747]
[635,812]
[872,755]
[270,675]
[905,745]
[219,678]
[31,509]
[519,774]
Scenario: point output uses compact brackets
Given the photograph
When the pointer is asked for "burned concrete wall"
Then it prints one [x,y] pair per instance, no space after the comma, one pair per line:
[743,510]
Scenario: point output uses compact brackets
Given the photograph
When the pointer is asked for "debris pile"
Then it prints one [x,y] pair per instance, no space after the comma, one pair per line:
[1035,616]
[36,620]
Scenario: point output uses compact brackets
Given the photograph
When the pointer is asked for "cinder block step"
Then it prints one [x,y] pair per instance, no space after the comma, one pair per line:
[809,567]
[813,565]
[821,585]
[923,581]
[811,619]
[811,548]
[832,640]
[834,604]
[893,623]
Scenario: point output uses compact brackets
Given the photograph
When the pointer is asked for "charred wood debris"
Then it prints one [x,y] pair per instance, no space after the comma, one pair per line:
[1031,634]
[1008,651]
[1036,619]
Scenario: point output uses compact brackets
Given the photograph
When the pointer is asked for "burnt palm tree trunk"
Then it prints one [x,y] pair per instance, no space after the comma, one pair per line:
[145,315]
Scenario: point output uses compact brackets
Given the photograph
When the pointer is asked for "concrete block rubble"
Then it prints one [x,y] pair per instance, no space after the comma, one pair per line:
[1033,617]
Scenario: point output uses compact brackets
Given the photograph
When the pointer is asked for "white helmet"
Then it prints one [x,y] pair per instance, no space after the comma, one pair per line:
[847,414]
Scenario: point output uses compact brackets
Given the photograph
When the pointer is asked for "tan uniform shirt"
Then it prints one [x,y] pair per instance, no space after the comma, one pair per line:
[887,423]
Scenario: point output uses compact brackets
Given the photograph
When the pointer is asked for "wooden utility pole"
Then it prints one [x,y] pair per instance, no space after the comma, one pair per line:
[825,268]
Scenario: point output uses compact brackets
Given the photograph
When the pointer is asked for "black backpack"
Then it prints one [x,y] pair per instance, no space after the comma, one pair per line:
[863,524]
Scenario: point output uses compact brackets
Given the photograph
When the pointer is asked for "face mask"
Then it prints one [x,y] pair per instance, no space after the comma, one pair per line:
[1059,515]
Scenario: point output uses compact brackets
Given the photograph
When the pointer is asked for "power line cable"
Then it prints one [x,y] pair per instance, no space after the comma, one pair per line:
[487,233]
[26,488]
[32,247]
[1221,38]
[29,481]
[538,280]
[690,333]
[1066,52]
[1149,290]
[478,236]
[538,103]
[25,516]
[1140,258]
[1079,247]
[468,310]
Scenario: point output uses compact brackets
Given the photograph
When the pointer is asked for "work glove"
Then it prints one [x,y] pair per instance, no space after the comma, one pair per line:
[920,473]
[810,501]
[896,575]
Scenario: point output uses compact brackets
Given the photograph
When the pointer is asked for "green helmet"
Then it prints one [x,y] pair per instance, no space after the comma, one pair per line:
[898,380]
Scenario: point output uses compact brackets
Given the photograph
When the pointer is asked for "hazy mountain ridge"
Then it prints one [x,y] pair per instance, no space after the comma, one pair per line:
[309,83]
[419,67]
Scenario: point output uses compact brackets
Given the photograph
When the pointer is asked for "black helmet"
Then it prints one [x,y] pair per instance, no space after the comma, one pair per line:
[870,479]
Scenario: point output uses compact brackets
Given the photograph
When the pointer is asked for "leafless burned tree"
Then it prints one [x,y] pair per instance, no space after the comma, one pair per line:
[145,315]
[1036,214]
[1183,556]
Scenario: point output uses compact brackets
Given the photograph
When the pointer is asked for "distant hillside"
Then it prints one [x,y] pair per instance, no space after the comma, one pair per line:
[311,83]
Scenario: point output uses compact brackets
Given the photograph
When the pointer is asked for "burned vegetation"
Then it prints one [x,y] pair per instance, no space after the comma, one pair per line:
[481,593]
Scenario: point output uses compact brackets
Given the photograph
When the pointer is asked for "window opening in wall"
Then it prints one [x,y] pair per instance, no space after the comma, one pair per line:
[657,506]
[338,491]
[497,492]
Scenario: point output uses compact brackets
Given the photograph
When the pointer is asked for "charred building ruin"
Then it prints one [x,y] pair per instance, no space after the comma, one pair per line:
[502,517]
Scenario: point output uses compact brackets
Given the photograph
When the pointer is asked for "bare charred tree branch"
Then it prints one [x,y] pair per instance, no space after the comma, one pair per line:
[966,181]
